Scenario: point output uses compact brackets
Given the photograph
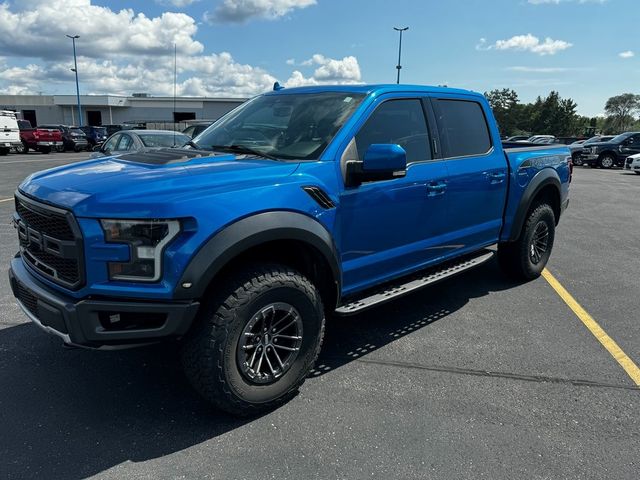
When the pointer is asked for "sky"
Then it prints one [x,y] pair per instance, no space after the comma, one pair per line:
[588,50]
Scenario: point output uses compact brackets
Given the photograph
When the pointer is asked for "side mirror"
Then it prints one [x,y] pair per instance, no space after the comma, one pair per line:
[381,162]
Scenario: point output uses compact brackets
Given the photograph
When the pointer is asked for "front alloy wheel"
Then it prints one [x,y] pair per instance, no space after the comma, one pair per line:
[270,343]
[607,161]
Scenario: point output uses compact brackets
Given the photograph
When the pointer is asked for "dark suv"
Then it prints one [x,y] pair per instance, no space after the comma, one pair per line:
[95,135]
[612,153]
[72,137]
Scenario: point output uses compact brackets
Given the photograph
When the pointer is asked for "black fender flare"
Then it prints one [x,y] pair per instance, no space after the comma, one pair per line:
[250,232]
[546,176]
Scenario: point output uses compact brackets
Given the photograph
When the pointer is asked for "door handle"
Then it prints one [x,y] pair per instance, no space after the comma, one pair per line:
[436,188]
[496,177]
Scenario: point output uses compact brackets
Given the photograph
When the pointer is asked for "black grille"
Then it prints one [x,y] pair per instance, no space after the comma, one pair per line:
[27,299]
[50,242]
[50,223]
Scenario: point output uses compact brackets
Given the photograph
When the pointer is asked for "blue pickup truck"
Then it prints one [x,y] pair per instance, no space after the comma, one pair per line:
[299,204]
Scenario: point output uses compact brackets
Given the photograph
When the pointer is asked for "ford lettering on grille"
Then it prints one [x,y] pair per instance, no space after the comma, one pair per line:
[50,242]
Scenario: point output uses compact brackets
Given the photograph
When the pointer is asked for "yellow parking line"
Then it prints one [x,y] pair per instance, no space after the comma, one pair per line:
[6,200]
[607,342]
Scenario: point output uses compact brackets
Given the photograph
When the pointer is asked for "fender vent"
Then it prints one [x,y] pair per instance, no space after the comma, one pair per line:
[319,196]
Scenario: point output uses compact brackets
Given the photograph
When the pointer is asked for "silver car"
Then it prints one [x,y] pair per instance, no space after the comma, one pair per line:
[130,141]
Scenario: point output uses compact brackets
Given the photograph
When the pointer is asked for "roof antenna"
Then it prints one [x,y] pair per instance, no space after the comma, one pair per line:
[277,86]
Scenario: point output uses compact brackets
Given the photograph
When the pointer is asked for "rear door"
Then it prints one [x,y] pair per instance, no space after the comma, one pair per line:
[390,227]
[477,171]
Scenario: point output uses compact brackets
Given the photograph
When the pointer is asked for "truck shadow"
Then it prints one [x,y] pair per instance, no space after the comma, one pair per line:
[74,413]
[351,337]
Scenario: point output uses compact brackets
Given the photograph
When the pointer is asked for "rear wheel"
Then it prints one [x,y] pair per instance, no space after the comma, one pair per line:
[526,257]
[20,148]
[607,161]
[257,341]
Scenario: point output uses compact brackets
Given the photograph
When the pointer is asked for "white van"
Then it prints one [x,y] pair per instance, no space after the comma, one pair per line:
[9,132]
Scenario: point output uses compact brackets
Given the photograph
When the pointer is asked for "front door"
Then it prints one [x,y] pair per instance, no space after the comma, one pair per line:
[391,227]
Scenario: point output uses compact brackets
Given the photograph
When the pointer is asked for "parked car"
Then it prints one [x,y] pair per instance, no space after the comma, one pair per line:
[42,139]
[9,132]
[633,164]
[72,137]
[542,139]
[196,129]
[299,204]
[611,153]
[129,141]
[577,148]
[111,129]
[95,135]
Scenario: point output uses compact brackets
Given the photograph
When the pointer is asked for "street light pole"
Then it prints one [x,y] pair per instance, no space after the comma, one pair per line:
[75,69]
[399,67]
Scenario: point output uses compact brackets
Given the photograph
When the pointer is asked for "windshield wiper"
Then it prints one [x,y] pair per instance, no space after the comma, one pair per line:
[242,149]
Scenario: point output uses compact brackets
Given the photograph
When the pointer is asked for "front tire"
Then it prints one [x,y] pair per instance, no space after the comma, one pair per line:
[256,341]
[607,161]
[577,161]
[525,258]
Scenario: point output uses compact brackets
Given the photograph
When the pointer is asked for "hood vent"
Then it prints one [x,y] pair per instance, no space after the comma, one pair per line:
[163,156]
[320,197]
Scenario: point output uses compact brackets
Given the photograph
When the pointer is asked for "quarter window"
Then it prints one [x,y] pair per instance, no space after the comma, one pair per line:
[400,122]
[463,128]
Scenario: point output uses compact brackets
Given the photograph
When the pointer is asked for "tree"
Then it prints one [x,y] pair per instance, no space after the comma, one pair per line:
[503,103]
[620,112]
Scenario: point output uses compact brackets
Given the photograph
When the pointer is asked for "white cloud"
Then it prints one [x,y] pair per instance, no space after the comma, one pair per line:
[177,3]
[627,54]
[329,71]
[538,69]
[123,52]
[240,11]
[528,42]
[291,61]
[39,30]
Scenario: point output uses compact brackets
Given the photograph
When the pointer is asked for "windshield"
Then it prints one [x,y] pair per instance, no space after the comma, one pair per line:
[287,126]
[621,138]
[163,140]
[76,131]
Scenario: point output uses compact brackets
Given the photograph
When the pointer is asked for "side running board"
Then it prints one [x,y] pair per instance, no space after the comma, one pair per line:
[415,282]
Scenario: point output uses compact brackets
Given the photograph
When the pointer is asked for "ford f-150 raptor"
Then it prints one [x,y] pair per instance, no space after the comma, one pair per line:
[299,204]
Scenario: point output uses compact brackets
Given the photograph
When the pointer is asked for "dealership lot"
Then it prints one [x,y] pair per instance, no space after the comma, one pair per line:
[476,377]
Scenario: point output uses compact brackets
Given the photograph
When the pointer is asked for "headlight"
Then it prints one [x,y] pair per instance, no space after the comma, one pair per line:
[147,239]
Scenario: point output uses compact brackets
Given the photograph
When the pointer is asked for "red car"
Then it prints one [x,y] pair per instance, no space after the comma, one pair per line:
[40,139]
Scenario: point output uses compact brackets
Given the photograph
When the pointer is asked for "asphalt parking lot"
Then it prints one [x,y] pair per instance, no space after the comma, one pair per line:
[477,377]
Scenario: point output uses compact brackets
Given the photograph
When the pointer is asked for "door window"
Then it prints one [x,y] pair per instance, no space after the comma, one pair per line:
[110,144]
[126,142]
[463,128]
[400,122]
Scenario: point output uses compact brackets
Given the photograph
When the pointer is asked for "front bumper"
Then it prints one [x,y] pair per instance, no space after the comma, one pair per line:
[97,323]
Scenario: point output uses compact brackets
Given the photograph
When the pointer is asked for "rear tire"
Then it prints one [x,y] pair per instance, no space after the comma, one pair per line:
[21,148]
[525,258]
[217,357]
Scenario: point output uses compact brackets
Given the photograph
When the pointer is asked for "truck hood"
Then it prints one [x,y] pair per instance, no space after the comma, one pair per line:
[140,184]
